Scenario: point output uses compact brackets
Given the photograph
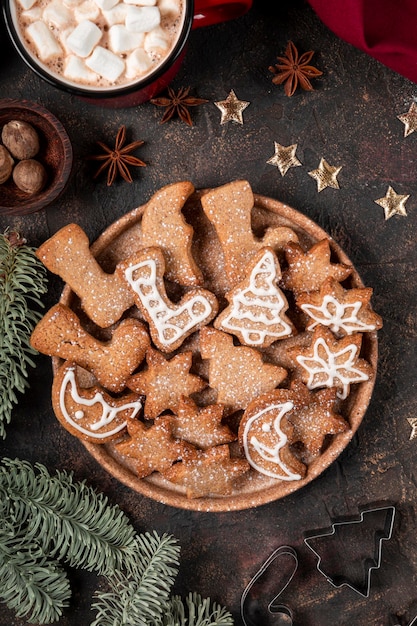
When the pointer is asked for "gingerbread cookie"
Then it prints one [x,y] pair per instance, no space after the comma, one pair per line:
[211,472]
[169,323]
[59,333]
[104,297]
[91,414]
[265,434]
[165,381]
[308,270]
[201,426]
[163,225]
[237,373]
[256,313]
[314,416]
[344,311]
[153,448]
[331,362]
[229,209]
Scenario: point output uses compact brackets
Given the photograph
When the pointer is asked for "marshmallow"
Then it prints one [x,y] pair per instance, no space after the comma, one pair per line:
[156,42]
[72,3]
[43,40]
[123,40]
[138,62]
[142,19]
[56,14]
[63,35]
[116,15]
[105,63]
[142,3]
[75,69]
[83,38]
[88,10]
[33,14]
[27,4]
[169,7]
[105,5]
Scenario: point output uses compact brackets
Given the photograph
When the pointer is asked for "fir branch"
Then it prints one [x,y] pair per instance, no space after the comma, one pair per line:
[47,519]
[68,520]
[22,283]
[141,597]
[31,584]
[198,612]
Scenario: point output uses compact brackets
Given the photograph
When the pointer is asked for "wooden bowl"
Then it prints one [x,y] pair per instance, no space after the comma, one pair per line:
[55,154]
[118,242]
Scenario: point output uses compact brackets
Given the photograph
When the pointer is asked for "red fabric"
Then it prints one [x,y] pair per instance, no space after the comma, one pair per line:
[385,29]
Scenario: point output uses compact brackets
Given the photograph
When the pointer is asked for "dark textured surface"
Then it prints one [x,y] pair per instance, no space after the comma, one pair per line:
[351,120]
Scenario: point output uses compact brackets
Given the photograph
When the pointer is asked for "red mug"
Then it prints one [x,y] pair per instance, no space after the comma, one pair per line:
[197,13]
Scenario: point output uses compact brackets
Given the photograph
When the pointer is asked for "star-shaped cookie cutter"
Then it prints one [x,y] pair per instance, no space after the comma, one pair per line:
[384,536]
[273,608]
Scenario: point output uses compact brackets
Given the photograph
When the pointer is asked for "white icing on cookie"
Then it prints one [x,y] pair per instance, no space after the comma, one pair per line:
[337,316]
[108,412]
[171,321]
[271,418]
[336,367]
[260,304]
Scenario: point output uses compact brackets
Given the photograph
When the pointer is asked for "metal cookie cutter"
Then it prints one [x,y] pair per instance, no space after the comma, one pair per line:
[368,563]
[274,609]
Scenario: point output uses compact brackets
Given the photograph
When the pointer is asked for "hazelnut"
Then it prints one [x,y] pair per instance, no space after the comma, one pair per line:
[6,164]
[30,176]
[21,139]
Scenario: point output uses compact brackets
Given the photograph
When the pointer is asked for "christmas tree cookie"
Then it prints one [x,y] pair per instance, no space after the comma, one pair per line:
[256,311]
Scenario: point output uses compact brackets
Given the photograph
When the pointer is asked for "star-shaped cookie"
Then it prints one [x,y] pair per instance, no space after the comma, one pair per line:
[210,472]
[201,426]
[314,417]
[308,270]
[344,311]
[331,362]
[165,381]
[153,448]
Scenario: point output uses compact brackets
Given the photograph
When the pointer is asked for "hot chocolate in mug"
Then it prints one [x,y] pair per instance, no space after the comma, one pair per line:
[116,53]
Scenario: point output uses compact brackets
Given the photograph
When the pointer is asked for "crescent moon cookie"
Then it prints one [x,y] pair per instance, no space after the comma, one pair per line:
[265,434]
[91,414]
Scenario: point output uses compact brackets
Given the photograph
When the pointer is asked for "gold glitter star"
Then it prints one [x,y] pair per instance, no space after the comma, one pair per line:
[393,203]
[284,157]
[325,175]
[409,119]
[413,423]
[232,108]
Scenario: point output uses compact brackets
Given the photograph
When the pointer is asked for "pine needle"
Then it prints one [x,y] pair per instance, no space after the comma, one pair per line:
[22,283]
[196,612]
[141,597]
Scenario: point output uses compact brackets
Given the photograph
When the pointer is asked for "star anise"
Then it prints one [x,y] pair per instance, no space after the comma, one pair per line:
[178,103]
[294,70]
[117,159]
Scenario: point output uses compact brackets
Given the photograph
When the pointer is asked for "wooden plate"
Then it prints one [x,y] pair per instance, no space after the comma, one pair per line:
[118,242]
